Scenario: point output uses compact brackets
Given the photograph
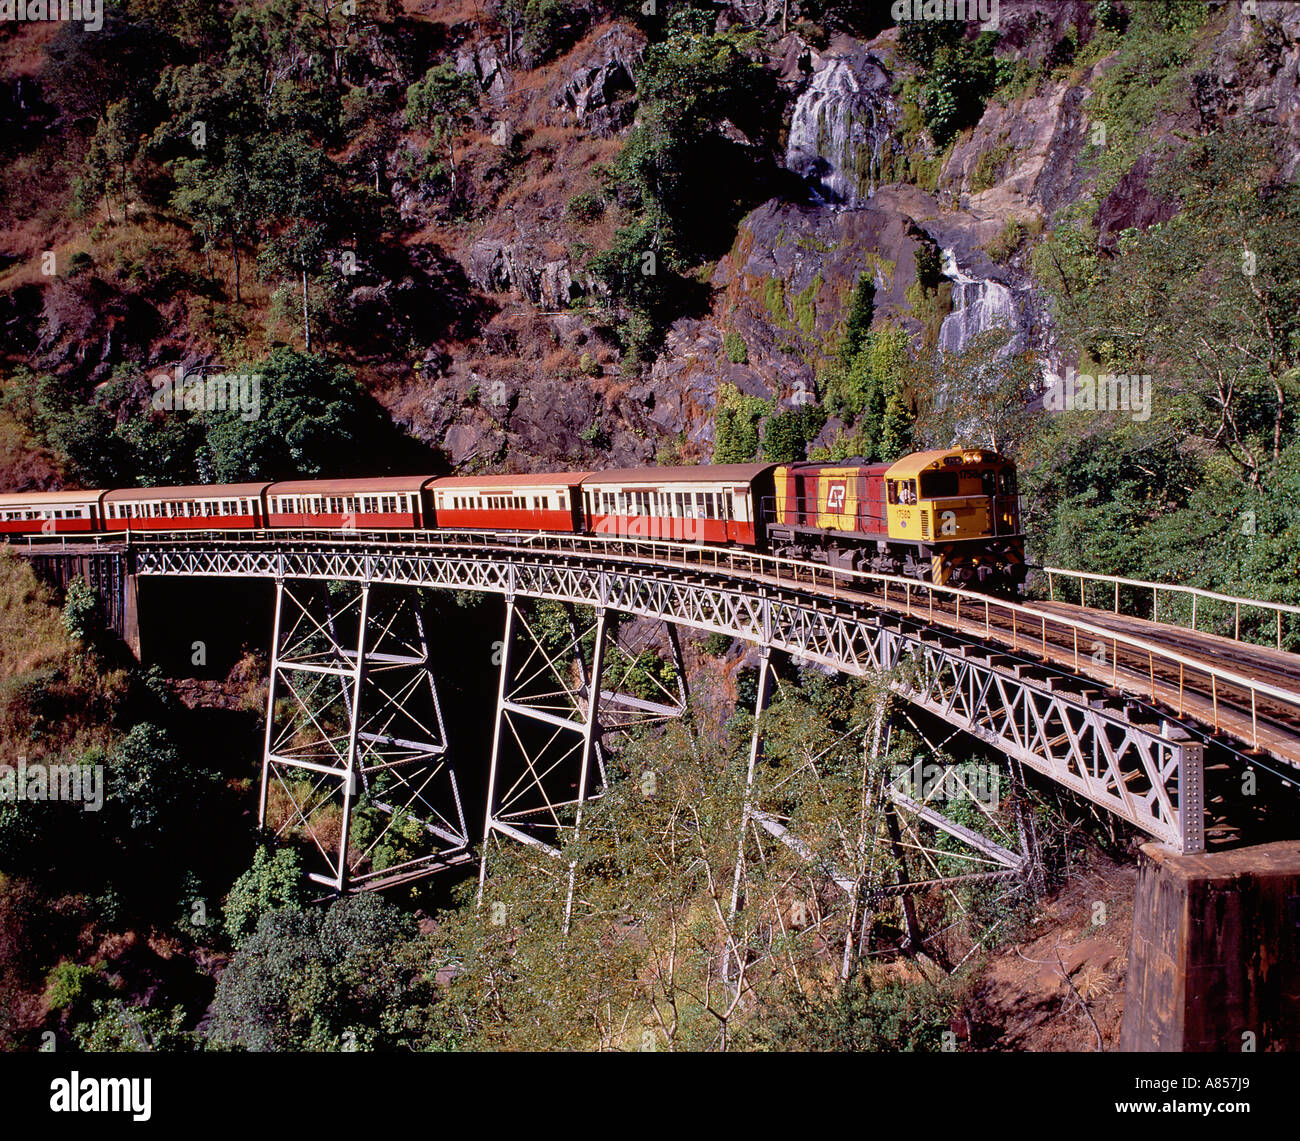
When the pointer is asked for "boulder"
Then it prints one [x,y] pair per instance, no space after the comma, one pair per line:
[600,87]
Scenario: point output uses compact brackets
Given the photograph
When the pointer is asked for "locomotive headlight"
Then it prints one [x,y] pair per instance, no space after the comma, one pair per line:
[972,457]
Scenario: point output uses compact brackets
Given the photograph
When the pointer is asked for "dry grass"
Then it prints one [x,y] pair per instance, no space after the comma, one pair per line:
[32,636]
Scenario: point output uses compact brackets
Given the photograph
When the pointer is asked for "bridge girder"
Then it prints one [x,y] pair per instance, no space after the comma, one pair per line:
[1148,773]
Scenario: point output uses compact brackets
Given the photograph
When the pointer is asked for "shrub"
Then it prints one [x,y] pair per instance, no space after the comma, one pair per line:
[271,882]
[82,613]
[588,206]
[736,418]
[66,984]
[736,349]
[118,1028]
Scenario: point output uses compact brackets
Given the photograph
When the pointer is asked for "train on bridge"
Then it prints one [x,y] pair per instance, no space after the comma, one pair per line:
[950,516]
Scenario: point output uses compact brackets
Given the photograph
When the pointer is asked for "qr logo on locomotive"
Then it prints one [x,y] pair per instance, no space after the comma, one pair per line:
[835,495]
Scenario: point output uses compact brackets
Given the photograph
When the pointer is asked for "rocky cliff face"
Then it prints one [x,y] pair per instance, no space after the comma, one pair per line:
[491,343]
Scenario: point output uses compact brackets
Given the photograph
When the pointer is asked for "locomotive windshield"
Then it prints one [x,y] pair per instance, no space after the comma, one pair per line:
[938,484]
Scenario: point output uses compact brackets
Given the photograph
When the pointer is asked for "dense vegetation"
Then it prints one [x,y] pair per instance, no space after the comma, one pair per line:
[253,186]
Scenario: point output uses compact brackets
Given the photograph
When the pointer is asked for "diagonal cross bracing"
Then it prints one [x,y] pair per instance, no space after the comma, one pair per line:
[1133,768]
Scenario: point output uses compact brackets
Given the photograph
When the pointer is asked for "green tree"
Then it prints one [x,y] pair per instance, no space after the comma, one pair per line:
[270,883]
[787,434]
[315,419]
[292,184]
[351,977]
[871,391]
[113,149]
[695,91]
[736,419]
[862,309]
[442,103]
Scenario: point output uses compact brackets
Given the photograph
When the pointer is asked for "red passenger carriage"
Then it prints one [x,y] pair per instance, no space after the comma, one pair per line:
[349,504]
[201,507]
[548,502]
[716,503]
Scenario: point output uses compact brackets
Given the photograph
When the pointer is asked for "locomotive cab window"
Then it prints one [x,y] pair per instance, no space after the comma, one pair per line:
[938,485]
[902,491]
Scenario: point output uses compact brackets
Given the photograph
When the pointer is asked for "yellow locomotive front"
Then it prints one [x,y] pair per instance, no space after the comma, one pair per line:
[959,511]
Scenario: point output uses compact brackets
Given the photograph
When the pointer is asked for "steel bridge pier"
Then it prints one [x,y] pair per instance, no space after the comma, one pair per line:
[354,724]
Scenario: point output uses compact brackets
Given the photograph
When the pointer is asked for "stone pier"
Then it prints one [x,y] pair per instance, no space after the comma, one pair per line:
[1214,962]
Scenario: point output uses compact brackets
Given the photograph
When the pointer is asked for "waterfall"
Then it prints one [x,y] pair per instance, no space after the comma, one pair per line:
[839,130]
[978,304]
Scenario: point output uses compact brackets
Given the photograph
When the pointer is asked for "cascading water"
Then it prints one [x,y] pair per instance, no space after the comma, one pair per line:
[978,305]
[840,128]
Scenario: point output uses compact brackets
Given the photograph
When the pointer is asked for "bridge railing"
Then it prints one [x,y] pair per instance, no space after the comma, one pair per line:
[1192,598]
[1124,662]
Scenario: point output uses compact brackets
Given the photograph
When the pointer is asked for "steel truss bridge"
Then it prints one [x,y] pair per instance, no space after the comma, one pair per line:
[1131,714]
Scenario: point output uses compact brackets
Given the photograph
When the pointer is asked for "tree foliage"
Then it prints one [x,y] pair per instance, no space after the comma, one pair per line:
[351,977]
[696,90]
[271,883]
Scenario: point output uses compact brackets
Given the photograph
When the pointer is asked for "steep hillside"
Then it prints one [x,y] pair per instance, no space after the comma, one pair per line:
[525,235]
